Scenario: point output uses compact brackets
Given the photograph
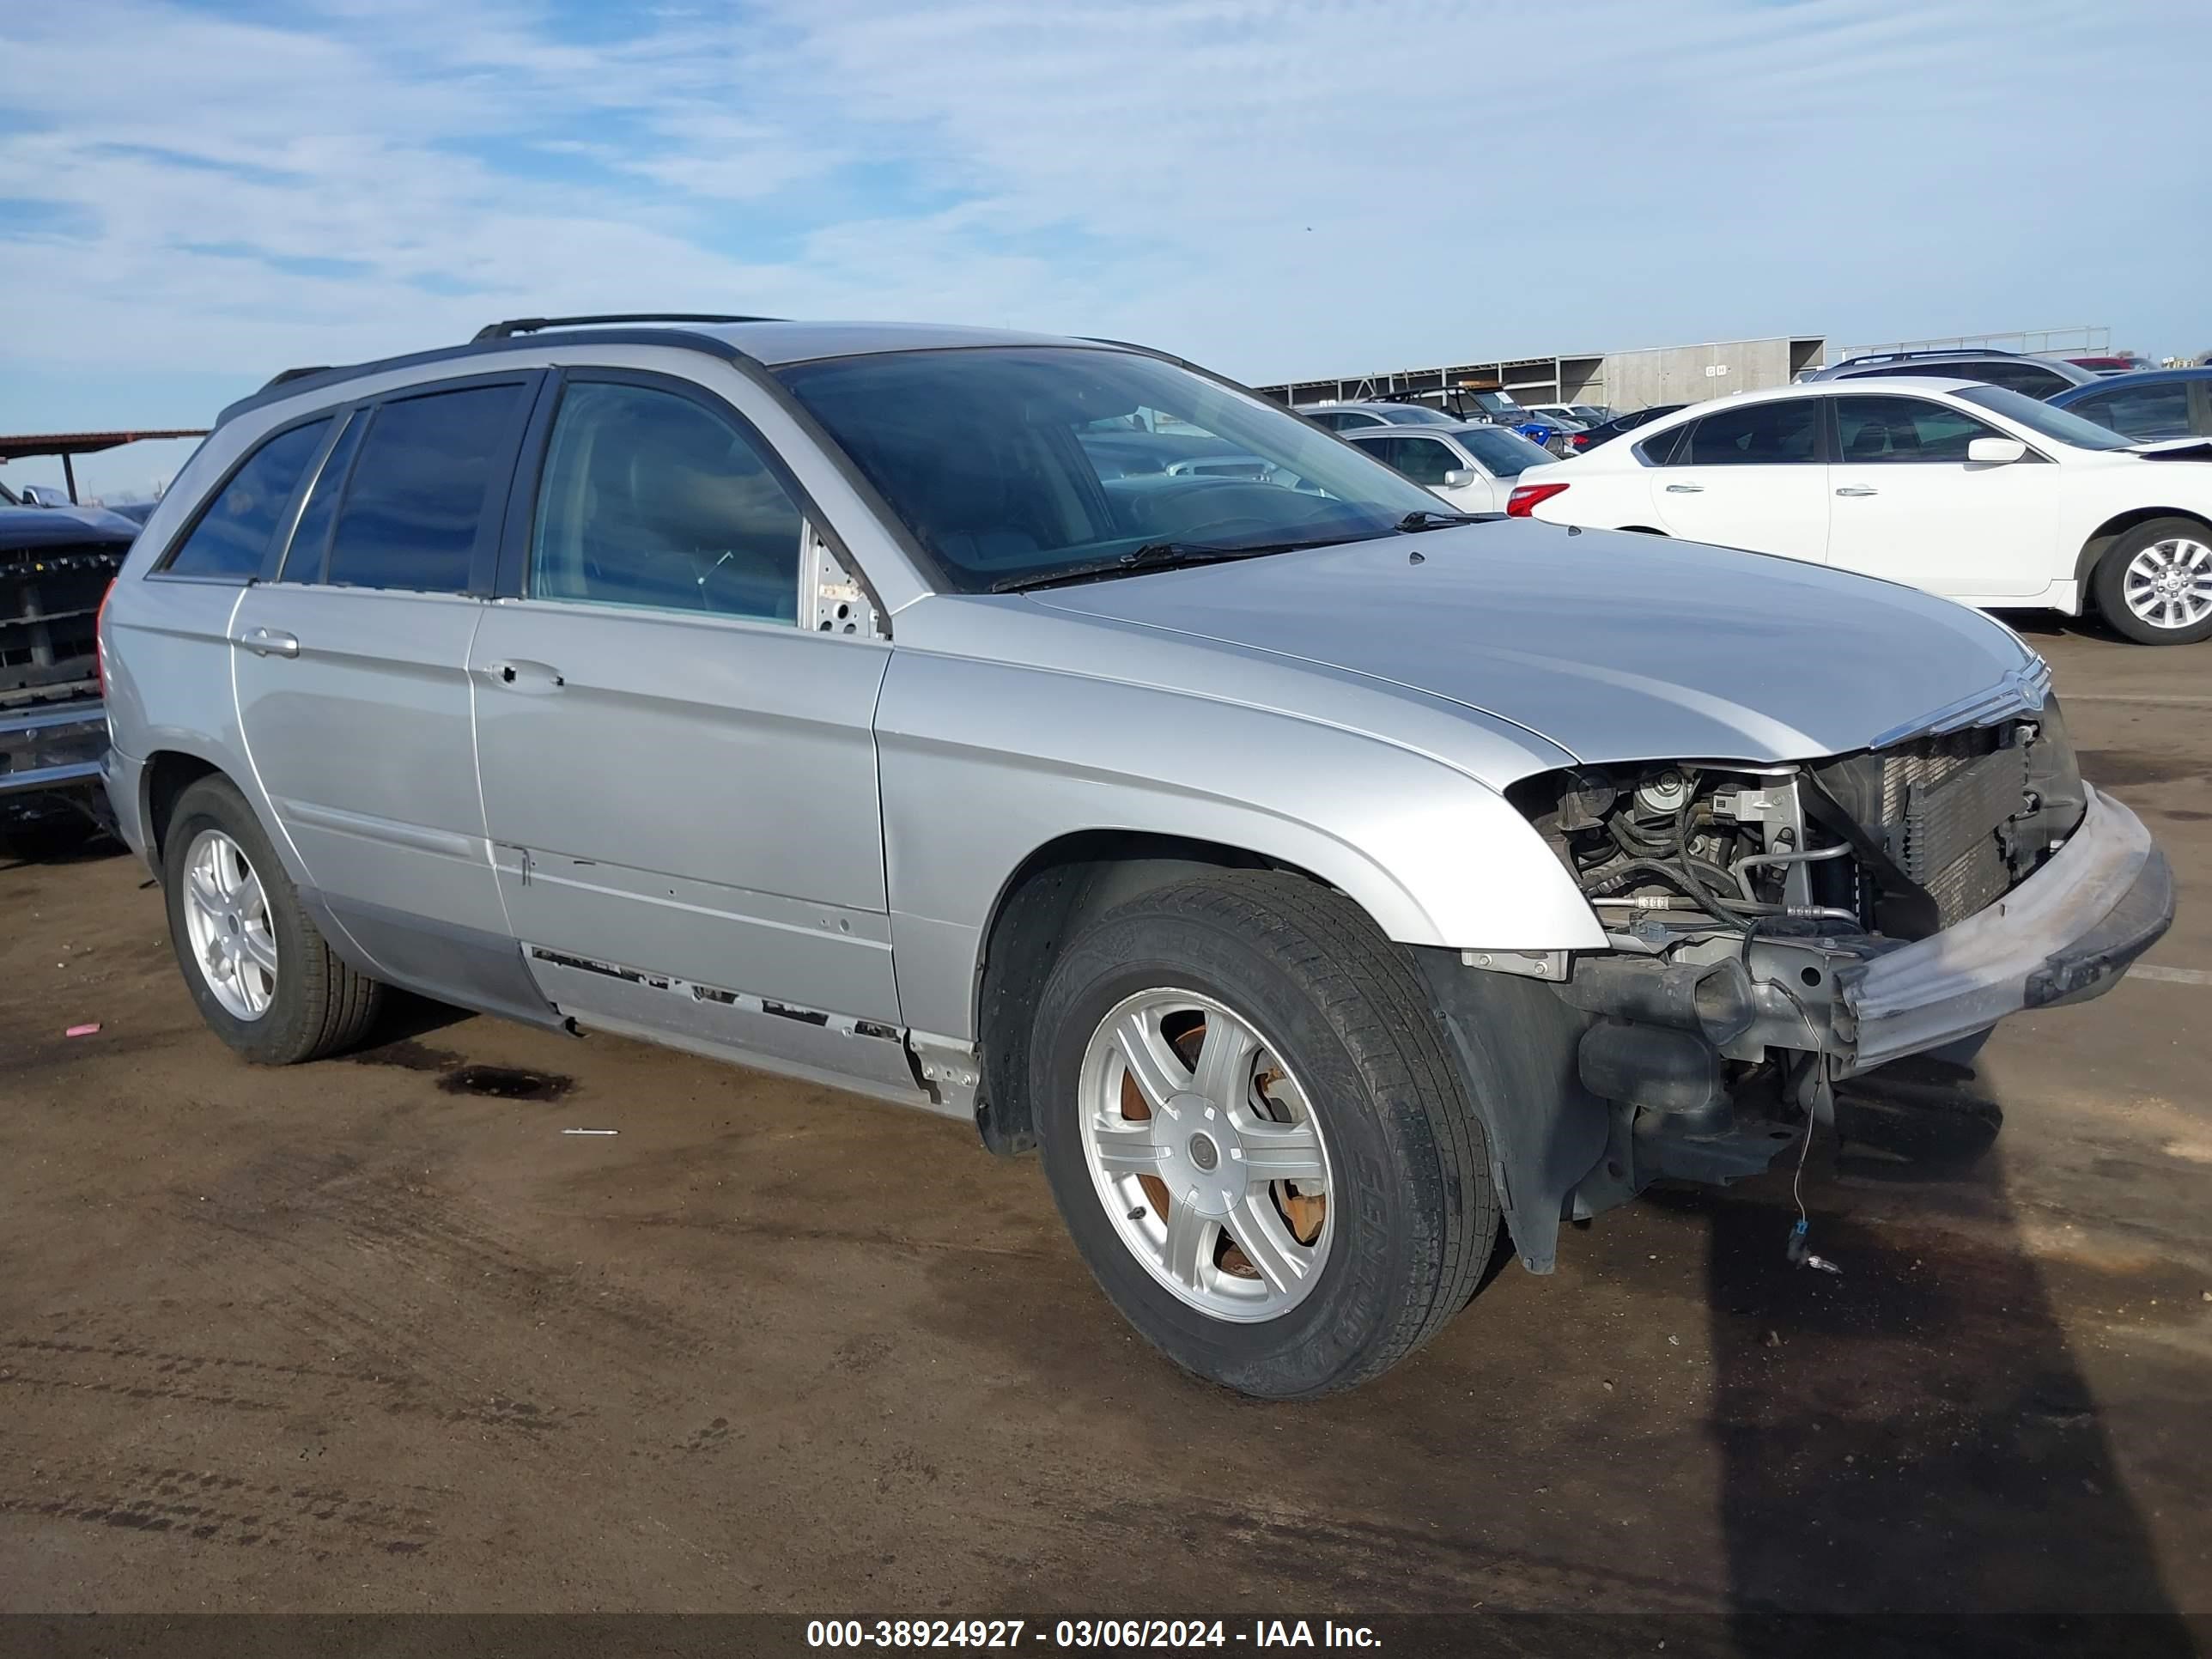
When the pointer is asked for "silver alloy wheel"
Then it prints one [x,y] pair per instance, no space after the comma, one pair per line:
[227,919]
[2169,583]
[1206,1155]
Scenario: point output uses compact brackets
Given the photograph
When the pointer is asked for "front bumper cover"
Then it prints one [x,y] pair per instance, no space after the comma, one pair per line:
[2065,934]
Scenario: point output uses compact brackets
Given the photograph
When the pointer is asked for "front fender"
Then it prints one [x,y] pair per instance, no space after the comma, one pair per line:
[984,763]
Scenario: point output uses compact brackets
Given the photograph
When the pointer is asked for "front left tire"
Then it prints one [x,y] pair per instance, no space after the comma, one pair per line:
[1252,1129]
[2154,584]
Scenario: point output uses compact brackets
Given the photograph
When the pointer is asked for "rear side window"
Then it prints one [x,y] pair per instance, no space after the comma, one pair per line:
[232,535]
[417,499]
[1784,433]
[649,498]
[1892,430]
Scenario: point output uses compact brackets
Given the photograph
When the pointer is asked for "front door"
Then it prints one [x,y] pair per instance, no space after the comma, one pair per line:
[680,779]
[353,694]
[1910,506]
[1751,475]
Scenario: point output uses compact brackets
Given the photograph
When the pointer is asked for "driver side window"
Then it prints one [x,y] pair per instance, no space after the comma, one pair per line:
[649,498]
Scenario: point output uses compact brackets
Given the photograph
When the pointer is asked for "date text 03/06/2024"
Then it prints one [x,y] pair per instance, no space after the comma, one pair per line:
[1106,1633]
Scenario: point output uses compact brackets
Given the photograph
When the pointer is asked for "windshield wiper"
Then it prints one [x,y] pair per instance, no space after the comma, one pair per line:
[1152,556]
[1422,518]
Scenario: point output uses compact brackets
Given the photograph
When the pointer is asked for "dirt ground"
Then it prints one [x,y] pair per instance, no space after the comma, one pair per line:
[361,1337]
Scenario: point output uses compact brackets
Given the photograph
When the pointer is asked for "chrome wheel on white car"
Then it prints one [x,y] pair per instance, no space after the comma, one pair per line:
[2169,583]
[1206,1154]
[227,919]
[2153,583]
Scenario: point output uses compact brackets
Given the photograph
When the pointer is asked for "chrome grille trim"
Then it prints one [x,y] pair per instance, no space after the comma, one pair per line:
[2020,692]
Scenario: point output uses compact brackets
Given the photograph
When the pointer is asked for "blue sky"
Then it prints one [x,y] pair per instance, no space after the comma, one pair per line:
[196,195]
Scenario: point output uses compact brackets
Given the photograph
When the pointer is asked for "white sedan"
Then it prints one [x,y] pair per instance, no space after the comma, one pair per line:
[1968,490]
[1473,467]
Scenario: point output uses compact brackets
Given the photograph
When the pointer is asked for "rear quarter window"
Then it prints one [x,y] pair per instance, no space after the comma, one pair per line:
[231,537]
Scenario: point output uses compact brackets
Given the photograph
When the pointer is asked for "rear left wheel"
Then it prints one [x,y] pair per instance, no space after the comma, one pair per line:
[265,980]
[1254,1133]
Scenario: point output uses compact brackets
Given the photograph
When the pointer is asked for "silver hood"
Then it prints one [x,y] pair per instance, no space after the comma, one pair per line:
[1615,646]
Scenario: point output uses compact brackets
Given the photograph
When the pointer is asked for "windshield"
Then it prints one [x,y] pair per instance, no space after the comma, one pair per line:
[2037,416]
[1495,403]
[1415,414]
[1503,451]
[1014,462]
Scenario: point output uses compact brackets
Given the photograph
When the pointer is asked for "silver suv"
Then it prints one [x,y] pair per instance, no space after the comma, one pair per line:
[1319,880]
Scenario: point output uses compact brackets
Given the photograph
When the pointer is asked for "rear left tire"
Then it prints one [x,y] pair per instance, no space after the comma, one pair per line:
[266,982]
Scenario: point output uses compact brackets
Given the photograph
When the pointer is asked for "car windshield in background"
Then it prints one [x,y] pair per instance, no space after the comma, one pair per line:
[2039,416]
[1416,415]
[1012,463]
[1502,451]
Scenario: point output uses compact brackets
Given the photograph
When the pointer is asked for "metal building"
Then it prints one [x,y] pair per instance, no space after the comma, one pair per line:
[1624,379]
[1662,374]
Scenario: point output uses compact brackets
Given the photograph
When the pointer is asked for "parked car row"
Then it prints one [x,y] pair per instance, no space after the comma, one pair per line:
[1044,733]
[1454,405]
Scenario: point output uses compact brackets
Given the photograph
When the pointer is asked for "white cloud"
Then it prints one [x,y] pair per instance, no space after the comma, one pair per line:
[1272,186]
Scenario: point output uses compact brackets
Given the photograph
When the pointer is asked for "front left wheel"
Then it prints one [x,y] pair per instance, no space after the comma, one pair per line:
[266,982]
[2153,583]
[1254,1133]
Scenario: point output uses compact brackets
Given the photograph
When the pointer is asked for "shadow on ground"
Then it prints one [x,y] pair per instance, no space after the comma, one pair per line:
[1912,1436]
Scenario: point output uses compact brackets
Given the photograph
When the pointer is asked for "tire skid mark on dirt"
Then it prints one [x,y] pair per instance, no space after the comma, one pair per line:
[361,1261]
[131,1370]
[316,1518]
[1374,1563]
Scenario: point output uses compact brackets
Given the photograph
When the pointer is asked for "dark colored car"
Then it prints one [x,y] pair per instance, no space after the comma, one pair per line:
[55,565]
[2160,402]
[1590,437]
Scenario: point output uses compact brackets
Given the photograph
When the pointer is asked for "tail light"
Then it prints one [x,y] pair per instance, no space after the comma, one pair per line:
[99,639]
[1527,498]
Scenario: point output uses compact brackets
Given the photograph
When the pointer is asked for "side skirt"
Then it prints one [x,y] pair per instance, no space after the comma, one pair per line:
[838,1050]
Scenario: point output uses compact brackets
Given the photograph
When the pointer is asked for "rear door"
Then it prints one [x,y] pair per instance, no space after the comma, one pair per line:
[1750,474]
[680,775]
[352,693]
[1910,506]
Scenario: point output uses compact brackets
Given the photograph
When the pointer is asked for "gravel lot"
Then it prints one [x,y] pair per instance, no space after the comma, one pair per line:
[361,1337]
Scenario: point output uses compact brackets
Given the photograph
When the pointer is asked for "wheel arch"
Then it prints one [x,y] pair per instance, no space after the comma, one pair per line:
[164,776]
[2102,537]
[1048,899]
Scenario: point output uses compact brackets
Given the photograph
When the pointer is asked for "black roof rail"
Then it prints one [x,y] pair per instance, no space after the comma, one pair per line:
[1909,356]
[515,325]
[283,374]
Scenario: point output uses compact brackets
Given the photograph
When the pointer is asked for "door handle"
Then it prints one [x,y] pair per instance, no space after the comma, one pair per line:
[520,675]
[1856,489]
[1686,489]
[269,642]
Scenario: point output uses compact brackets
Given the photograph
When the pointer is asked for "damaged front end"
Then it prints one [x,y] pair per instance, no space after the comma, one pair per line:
[1776,928]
